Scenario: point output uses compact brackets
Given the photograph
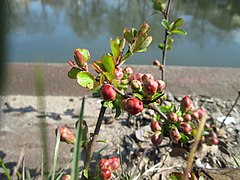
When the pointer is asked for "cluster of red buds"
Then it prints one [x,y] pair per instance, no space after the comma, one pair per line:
[107,166]
[143,84]
[180,123]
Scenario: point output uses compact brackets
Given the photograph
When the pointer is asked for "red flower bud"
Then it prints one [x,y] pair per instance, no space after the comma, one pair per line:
[66,177]
[108,93]
[133,105]
[71,63]
[105,174]
[212,141]
[156,139]
[185,127]
[65,134]
[155,126]
[150,87]
[137,76]
[103,164]
[187,103]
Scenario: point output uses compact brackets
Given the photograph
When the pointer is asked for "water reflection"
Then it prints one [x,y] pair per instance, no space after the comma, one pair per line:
[49,30]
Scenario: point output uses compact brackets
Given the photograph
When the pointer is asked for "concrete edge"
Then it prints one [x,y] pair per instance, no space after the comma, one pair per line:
[223,83]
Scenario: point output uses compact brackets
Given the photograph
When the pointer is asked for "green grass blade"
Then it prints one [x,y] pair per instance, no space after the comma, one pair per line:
[28,175]
[55,155]
[76,152]
[61,171]
[5,169]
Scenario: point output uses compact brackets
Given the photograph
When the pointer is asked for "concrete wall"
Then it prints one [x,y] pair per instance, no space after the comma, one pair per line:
[222,83]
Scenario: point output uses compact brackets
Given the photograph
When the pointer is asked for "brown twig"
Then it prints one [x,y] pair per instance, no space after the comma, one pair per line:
[155,108]
[164,52]
[222,124]
[92,143]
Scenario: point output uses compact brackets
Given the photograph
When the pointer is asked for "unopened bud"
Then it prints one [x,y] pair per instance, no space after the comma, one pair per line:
[150,87]
[66,177]
[175,135]
[156,63]
[173,116]
[155,126]
[161,85]
[136,85]
[185,127]
[66,134]
[187,103]
[156,139]
[81,56]
[128,71]
[119,73]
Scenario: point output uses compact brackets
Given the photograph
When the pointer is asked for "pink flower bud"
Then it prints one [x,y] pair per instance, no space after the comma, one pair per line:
[187,103]
[114,163]
[180,119]
[161,85]
[137,76]
[188,117]
[147,77]
[185,127]
[66,134]
[128,71]
[173,116]
[71,63]
[119,73]
[105,174]
[103,164]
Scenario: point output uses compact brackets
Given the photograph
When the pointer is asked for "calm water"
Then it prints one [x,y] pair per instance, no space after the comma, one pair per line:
[49,30]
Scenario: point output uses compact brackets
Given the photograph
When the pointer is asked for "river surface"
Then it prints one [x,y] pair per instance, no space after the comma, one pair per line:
[49,30]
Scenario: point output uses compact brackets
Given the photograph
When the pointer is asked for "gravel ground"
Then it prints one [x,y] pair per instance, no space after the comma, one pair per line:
[21,127]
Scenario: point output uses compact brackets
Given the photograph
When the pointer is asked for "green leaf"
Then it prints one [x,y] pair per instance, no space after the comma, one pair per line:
[139,96]
[178,31]
[125,56]
[142,43]
[161,46]
[109,76]
[86,79]
[108,104]
[73,73]
[128,35]
[178,23]
[184,138]
[165,24]
[115,49]
[108,63]
[98,66]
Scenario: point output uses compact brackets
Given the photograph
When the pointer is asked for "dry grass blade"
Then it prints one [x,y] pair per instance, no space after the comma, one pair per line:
[20,160]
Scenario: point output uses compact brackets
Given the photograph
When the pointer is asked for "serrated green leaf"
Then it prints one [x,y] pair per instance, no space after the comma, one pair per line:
[108,63]
[115,49]
[86,79]
[73,73]
[165,24]
[178,31]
